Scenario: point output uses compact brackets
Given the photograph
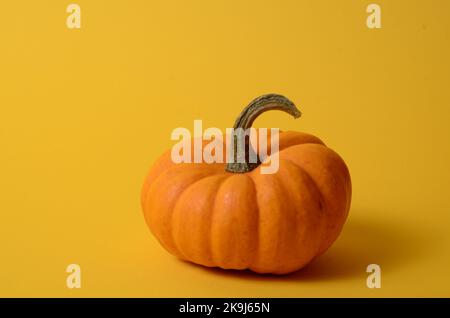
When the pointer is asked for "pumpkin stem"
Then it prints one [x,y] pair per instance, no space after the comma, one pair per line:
[241,162]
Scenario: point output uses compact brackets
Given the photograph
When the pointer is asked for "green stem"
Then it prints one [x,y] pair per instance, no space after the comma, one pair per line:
[241,162]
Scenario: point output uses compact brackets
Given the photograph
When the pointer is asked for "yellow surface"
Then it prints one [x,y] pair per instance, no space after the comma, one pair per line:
[84,113]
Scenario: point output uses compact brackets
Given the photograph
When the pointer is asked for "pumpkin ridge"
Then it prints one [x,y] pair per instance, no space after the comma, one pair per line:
[322,198]
[252,261]
[323,208]
[319,142]
[147,183]
[303,143]
[150,185]
[177,200]
[286,133]
[300,144]
[279,237]
[324,204]
[211,219]
[256,262]
[200,175]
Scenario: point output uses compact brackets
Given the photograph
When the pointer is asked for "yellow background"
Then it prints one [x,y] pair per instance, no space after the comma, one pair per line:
[84,113]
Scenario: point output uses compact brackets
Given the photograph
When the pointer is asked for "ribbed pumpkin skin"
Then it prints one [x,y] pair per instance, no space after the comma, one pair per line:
[268,223]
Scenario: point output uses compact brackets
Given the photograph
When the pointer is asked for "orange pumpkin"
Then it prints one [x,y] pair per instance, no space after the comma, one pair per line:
[233,217]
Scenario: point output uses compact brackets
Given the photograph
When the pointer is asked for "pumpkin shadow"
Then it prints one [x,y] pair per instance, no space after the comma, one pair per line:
[362,242]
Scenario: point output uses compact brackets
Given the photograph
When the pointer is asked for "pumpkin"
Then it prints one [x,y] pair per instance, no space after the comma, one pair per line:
[233,217]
